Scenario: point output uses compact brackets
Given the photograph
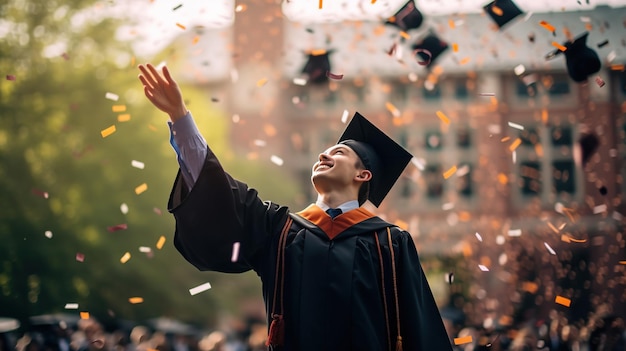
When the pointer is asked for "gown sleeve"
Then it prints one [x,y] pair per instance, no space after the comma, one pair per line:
[421,324]
[217,212]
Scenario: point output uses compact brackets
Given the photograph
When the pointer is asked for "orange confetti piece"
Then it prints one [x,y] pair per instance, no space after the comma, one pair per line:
[392,109]
[119,108]
[455,47]
[622,262]
[530,287]
[563,301]
[554,229]
[123,118]
[464,61]
[505,139]
[373,1]
[503,179]
[195,41]
[547,26]
[451,23]
[270,130]
[618,67]
[181,26]
[496,10]
[152,128]
[135,300]
[463,340]
[449,173]
[442,116]
[141,188]
[84,315]
[261,82]
[405,35]
[161,242]
[569,239]
[132,61]
[321,4]
[125,258]
[517,142]
[106,132]
[559,46]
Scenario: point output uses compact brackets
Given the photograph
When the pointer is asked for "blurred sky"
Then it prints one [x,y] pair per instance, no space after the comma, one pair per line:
[152,24]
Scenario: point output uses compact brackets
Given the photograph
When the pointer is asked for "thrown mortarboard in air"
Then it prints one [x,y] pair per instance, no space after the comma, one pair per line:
[385,158]
[317,65]
[502,11]
[408,17]
[581,60]
[429,44]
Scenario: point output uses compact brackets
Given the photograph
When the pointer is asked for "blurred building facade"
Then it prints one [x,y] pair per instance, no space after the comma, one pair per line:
[519,202]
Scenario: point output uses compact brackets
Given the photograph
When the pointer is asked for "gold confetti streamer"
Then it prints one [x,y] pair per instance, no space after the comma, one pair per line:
[563,301]
[140,189]
[118,108]
[125,258]
[517,142]
[449,172]
[135,300]
[108,131]
[161,242]
[463,340]
[442,116]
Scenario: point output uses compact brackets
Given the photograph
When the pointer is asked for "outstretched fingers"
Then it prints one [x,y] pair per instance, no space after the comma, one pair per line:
[156,76]
[147,77]
[168,76]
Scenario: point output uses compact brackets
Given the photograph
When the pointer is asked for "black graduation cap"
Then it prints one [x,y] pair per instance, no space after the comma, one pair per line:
[407,17]
[385,158]
[429,44]
[317,65]
[581,60]
[502,11]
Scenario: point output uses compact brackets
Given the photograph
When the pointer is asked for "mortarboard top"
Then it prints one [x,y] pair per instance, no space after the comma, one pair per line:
[318,63]
[385,158]
[407,17]
[432,44]
[581,60]
[502,11]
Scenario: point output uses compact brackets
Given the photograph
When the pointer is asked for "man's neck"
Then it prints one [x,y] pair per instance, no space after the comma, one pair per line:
[334,200]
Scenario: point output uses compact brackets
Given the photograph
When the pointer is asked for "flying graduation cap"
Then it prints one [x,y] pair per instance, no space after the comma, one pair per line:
[408,17]
[502,11]
[317,66]
[385,158]
[429,49]
[581,60]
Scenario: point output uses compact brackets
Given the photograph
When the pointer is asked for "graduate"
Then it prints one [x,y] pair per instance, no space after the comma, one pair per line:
[335,276]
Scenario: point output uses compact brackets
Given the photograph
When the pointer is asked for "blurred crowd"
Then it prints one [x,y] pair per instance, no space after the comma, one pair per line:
[601,333]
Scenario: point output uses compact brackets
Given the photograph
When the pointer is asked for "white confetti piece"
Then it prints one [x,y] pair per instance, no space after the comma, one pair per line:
[519,70]
[494,129]
[618,216]
[479,237]
[487,94]
[295,100]
[558,207]
[276,160]
[500,240]
[235,254]
[419,163]
[514,157]
[200,288]
[111,96]
[71,306]
[599,209]
[413,77]
[447,206]
[585,19]
[483,268]
[124,208]
[144,249]
[236,118]
[48,234]
[611,56]
[549,248]
[344,116]
[259,142]
[515,232]
[137,164]
[299,81]
[528,15]
[516,126]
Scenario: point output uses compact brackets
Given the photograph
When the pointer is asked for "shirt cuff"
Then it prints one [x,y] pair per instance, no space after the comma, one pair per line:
[185,129]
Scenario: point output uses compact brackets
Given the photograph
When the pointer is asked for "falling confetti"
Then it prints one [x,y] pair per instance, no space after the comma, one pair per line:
[177,7]
[123,117]
[117,227]
[299,81]
[549,248]
[137,164]
[487,94]
[80,257]
[181,26]
[517,142]
[563,301]
[10,77]
[124,208]
[160,242]
[276,160]
[515,232]
[447,174]
[519,70]
[108,131]
[548,26]
[118,108]
[559,46]
[135,300]
[145,249]
[483,268]
[71,306]
[392,109]
[48,234]
[261,82]
[443,117]
[125,258]
[600,82]
[479,237]
[599,209]
[463,340]
[40,193]
[200,288]
[111,96]
[141,188]
[516,126]
[84,315]
[235,254]
[344,116]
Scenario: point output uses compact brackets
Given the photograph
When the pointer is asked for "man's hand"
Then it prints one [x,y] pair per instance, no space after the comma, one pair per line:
[163,91]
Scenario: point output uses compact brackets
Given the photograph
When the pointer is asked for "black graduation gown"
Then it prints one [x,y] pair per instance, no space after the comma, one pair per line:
[332,287]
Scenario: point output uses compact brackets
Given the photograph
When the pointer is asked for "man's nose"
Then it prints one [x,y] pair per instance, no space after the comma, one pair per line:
[323,156]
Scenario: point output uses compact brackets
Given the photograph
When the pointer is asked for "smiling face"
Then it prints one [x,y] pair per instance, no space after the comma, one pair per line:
[338,168]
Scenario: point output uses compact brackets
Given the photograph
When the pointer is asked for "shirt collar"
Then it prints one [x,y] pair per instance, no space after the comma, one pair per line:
[345,207]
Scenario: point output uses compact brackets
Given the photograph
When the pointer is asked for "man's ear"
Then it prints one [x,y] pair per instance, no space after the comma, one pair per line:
[364,175]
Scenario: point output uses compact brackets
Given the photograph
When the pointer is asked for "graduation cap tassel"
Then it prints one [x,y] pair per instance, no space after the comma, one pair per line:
[399,343]
[277,331]
[276,335]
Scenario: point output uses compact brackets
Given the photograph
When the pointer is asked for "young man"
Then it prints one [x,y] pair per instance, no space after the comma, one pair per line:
[347,281]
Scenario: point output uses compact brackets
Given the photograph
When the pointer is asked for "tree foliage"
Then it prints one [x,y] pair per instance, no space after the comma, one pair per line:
[58,174]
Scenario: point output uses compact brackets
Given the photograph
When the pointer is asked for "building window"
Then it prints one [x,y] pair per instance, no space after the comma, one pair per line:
[432,94]
[561,136]
[461,90]
[464,180]
[524,90]
[564,176]
[463,138]
[434,181]
[433,140]
[557,84]
[529,136]
[530,172]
